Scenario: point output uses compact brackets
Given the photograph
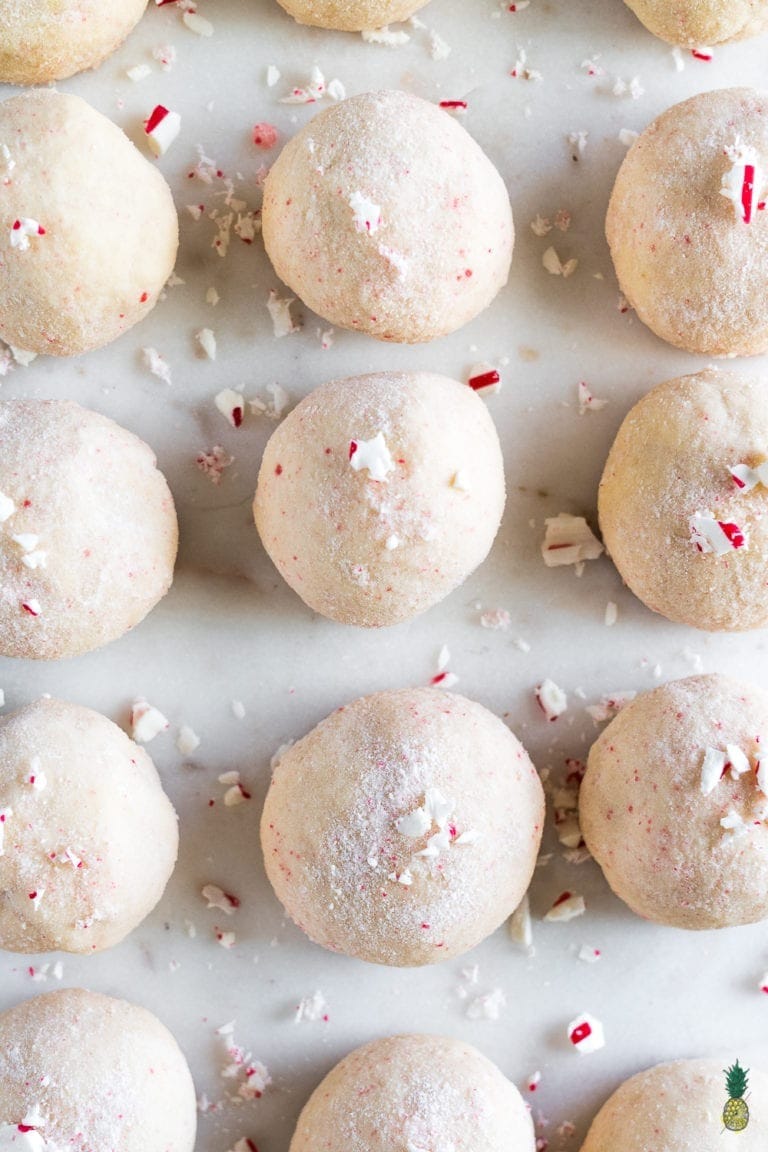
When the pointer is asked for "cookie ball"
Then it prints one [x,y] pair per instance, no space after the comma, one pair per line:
[383,215]
[88,838]
[693,23]
[689,1102]
[41,41]
[378,495]
[415,1092]
[88,531]
[682,509]
[88,230]
[86,1071]
[351,15]
[674,803]
[422,833]
[687,226]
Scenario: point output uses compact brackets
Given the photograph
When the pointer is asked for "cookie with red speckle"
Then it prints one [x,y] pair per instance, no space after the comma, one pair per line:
[422,830]
[687,224]
[378,495]
[683,500]
[41,41]
[88,838]
[674,803]
[383,215]
[351,15]
[698,23]
[415,1092]
[81,1070]
[685,1106]
[88,530]
[88,229]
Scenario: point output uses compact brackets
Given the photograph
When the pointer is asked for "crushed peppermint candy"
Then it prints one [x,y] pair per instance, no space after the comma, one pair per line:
[761,776]
[366,216]
[312,1008]
[156,364]
[146,722]
[314,90]
[161,129]
[703,53]
[197,23]
[738,761]
[217,898]
[207,342]
[556,267]
[213,463]
[496,619]
[231,405]
[279,309]
[733,822]
[5,815]
[385,36]
[609,706]
[264,135]
[254,1076]
[568,906]
[22,229]
[589,955]
[709,534]
[187,740]
[611,614]
[236,793]
[587,401]
[586,1034]
[227,940]
[712,770]
[520,925]
[533,1082]
[627,137]
[763,985]
[744,183]
[7,507]
[551,699]
[373,455]
[488,1007]
[32,607]
[569,540]
[485,380]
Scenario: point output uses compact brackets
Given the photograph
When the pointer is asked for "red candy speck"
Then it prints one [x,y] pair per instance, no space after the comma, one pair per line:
[264,136]
[484,380]
[155,117]
[581,1033]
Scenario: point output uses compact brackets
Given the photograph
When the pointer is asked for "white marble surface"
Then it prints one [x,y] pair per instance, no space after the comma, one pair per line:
[231,630]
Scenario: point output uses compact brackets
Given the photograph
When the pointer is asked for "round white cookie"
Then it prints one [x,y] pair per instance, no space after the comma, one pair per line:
[351,15]
[696,23]
[422,832]
[682,510]
[415,1092]
[674,803]
[42,41]
[383,215]
[81,1070]
[681,1107]
[88,531]
[88,838]
[691,260]
[88,229]
[378,495]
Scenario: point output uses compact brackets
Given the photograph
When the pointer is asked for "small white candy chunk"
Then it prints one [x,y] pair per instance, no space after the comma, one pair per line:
[7,507]
[187,740]
[385,36]
[589,954]
[762,776]
[138,72]
[744,183]
[26,541]
[405,878]
[14,1139]
[226,939]
[609,706]
[718,536]
[738,761]
[460,481]
[22,229]
[207,342]
[279,309]
[744,477]
[32,607]
[37,559]
[551,699]
[231,405]
[711,770]
[197,24]
[366,215]
[732,822]
[567,907]
[414,825]
[146,722]
[156,364]
[314,1007]
[5,815]
[611,614]
[161,129]
[487,1007]
[569,540]
[556,267]
[588,402]
[520,926]
[586,1034]
[217,898]
[627,137]
[374,455]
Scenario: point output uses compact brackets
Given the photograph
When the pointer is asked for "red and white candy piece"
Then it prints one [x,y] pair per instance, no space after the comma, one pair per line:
[569,540]
[533,1082]
[744,184]
[568,906]
[20,1138]
[146,722]
[589,954]
[551,699]
[586,1034]
[373,455]
[746,478]
[712,770]
[719,536]
[366,216]
[22,229]
[161,129]
[231,405]
[216,897]
[264,135]
[763,985]
[703,53]
[484,379]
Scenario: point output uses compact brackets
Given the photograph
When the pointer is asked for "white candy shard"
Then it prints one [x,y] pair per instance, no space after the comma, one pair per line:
[365,214]
[711,535]
[551,699]
[156,364]
[161,129]
[231,405]
[22,229]
[744,183]
[587,401]
[586,1033]
[187,740]
[487,1007]
[374,455]
[14,1139]
[146,722]
[279,309]
[744,477]
[711,770]
[732,822]
[7,507]
[589,954]
[314,1007]
[217,898]
[197,24]
[738,761]
[207,342]
[520,926]
[569,540]
[566,907]
[609,706]
[761,776]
